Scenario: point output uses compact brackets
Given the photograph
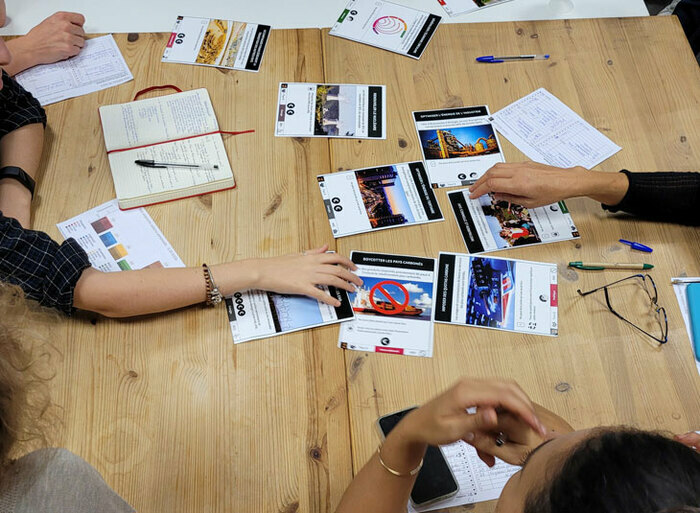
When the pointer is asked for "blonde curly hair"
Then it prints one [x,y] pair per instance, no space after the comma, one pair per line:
[26,411]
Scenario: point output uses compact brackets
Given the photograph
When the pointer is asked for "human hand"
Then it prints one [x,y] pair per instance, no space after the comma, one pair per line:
[300,273]
[691,439]
[529,184]
[445,419]
[58,37]
[519,441]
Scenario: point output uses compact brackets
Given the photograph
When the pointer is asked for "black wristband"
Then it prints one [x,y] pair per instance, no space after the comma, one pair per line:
[19,174]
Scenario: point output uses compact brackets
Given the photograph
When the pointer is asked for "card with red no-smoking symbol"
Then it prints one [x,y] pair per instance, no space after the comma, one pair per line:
[394,307]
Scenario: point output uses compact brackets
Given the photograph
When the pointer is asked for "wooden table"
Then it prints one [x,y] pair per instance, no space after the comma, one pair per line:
[177,418]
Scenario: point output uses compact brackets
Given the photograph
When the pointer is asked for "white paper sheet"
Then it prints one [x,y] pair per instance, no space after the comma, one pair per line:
[549,132]
[118,240]
[477,482]
[457,7]
[679,289]
[98,66]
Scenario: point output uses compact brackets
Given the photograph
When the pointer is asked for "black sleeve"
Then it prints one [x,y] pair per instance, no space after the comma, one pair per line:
[45,270]
[17,107]
[672,197]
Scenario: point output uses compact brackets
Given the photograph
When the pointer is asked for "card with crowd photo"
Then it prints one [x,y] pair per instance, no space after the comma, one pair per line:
[219,43]
[497,293]
[256,314]
[459,145]
[457,7]
[393,308]
[378,198]
[386,25]
[331,110]
[487,224]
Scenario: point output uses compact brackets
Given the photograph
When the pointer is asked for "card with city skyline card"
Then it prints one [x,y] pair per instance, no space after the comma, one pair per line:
[457,7]
[393,308]
[377,198]
[488,224]
[386,25]
[352,111]
[459,144]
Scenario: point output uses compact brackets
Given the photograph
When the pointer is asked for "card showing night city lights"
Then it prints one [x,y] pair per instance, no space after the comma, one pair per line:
[386,25]
[331,110]
[376,198]
[459,145]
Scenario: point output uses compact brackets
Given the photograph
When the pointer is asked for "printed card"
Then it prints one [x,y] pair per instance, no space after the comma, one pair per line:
[219,43]
[489,225]
[394,307]
[457,7]
[459,145]
[120,240]
[386,25]
[255,314]
[377,198]
[327,110]
[497,293]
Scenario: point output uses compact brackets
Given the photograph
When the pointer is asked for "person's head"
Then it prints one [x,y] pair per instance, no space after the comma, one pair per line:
[606,470]
[24,398]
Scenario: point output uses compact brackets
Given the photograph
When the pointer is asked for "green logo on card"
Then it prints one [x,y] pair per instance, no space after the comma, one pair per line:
[342,16]
[562,205]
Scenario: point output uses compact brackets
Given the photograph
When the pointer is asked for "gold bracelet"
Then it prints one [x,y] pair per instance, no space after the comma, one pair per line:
[394,472]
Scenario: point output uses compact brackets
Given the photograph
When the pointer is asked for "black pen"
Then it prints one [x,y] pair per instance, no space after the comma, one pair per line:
[153,163]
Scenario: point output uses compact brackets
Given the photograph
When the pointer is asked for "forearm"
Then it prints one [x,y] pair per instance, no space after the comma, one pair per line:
[22,148]
[374,488]
[22,56]
[604,187]
[131,293]
[661,196]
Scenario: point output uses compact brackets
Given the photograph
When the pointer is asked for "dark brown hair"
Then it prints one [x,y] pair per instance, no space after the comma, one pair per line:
[623,470]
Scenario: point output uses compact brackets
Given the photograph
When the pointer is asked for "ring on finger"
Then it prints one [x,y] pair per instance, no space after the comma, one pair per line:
[501,439]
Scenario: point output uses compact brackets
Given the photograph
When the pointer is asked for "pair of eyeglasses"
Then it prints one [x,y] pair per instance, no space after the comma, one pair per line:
[647,283]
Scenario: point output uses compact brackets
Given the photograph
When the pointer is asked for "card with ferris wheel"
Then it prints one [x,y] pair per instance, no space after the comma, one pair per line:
[386,25]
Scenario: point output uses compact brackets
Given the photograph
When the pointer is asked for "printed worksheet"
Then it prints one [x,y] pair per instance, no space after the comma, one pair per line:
[459,145]
[457,7]
[489,225]
[219,43]
[477,482]
[118,240]
[99,65]
[549,132]
[497,293]
[386,25]
[378,198]
[393,308]
[331,110]
[255,314]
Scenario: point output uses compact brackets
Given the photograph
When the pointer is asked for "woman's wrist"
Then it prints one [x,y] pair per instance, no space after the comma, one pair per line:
[402,451]
[22,58]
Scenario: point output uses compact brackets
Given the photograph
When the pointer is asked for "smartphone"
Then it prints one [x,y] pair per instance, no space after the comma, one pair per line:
[435,481]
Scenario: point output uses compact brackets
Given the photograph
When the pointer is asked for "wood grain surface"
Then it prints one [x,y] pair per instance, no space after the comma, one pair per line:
[178,419]
[637,82]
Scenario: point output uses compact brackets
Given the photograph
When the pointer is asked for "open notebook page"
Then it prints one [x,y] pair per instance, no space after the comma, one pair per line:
[132,180]
[156,120]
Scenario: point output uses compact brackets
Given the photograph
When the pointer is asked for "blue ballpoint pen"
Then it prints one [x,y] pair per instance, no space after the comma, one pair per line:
[637,246]
[491,59]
